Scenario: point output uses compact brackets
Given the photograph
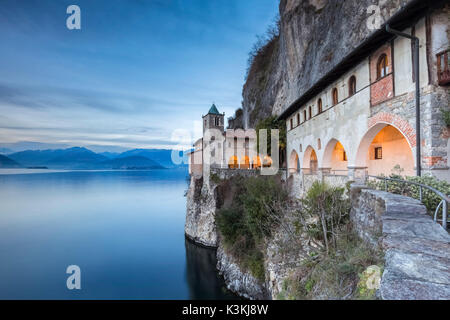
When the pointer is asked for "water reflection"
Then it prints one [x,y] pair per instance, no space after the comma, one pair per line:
[202,277]
[124,229]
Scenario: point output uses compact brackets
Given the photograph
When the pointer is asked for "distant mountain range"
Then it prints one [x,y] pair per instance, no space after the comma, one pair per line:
[82,158]
[6,162]
[162,156]
[133,162]
[5,151]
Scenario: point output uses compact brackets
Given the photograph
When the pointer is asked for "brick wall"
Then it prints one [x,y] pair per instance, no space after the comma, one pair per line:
[381,89]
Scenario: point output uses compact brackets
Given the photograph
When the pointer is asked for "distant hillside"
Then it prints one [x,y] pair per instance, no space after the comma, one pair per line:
[77,158]
[162,156]
[5,151]
[132,162]
[6,162]
[109,155]
[82,158]
[72,158]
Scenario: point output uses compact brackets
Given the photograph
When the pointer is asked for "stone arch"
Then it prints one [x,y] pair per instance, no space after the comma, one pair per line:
[310,160]
[396,121]
[382,147]
[335,156]
[294,162]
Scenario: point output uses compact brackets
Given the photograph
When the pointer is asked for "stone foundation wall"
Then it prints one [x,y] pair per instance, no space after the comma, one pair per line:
[225,173]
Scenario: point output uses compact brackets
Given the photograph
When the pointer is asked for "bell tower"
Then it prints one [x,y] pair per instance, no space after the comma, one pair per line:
[213,119]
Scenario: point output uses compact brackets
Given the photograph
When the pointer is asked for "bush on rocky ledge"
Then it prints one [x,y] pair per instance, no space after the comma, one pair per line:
[429,198]
[249,218]
[334,258]
[339,275]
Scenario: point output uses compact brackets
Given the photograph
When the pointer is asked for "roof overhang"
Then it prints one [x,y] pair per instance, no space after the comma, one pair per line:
[404,18]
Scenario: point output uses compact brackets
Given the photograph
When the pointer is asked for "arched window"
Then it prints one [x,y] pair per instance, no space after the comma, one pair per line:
[335,97]
[298,118]
[352,86]
[319,106]
[304,115]
[319,144]
[382,66]
[310,112]
[292,123]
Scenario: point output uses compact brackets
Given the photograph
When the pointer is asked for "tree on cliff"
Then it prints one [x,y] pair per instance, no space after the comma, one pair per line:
[270,123]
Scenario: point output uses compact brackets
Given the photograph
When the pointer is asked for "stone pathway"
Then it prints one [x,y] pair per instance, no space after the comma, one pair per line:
[417,252]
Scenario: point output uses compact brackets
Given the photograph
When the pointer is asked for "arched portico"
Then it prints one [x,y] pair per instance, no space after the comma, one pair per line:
[245,162]
[310,161]
[256,162]
[335,157]
[384,147]
[294,162]
[233,162]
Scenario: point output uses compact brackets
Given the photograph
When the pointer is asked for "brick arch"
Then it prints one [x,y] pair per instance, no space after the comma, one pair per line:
[396,121]
[377,123]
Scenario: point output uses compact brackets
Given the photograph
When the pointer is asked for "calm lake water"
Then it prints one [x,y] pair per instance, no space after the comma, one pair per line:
[124,229]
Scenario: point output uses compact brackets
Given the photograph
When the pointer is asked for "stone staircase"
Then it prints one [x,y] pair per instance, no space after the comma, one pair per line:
[417,249]
[417,252]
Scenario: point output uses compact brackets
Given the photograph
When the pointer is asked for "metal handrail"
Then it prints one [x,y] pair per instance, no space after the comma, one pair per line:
[444,202]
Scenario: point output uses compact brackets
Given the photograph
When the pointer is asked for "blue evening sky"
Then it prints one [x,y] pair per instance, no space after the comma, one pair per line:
[135,72]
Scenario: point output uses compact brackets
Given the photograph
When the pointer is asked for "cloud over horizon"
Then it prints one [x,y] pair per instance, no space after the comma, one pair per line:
[134,72]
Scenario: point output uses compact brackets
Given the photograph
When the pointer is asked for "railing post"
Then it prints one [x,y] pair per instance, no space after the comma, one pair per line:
[385,185]
[444,215]
[420,193]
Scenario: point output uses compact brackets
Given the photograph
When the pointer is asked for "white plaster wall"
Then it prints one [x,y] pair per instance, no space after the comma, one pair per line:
[403,61]
[345,122]
[396,152]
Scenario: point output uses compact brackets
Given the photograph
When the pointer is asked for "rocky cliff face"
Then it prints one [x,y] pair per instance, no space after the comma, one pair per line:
[237,280]
[315,35]
[200,223]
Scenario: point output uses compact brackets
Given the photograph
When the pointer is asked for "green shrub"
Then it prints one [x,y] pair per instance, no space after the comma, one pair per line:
[261,200]
[328,208]
[338,275]
[215,178]
[429,198]
[446,116]
[248,221]
[255,263]
[270,123]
